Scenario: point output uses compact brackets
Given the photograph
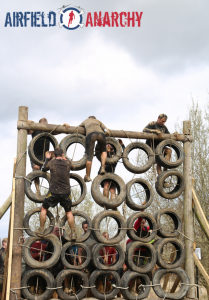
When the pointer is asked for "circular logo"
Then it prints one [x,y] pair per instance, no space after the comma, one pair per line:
[71,18]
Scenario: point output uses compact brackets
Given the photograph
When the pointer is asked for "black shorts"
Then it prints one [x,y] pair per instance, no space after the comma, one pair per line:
[90,142]
[40,157]
[53,199]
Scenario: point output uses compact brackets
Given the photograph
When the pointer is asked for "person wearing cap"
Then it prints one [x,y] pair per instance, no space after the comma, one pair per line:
[94,132]
[59,189]
[3,252]
[158,127]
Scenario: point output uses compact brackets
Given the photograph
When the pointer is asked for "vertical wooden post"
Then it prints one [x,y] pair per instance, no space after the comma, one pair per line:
[19,203]
[188,213]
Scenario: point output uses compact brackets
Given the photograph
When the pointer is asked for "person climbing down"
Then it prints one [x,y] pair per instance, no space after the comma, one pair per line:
[94,132]
[59,188]
[159,127]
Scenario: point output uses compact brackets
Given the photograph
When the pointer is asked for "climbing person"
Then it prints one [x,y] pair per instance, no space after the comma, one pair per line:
[108,185]
[94,132]
[3,252]
[41,146]
[158,127]
[59,189]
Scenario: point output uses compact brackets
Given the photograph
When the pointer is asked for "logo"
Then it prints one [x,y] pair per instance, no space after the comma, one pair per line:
[71,18]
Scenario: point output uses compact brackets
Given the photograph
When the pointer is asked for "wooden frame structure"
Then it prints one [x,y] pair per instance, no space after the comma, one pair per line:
[23,126]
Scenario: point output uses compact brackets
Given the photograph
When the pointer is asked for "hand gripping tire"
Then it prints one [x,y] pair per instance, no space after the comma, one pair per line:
[30,194]
[31,153]
[82,184]
[42,264]
[117,147]
[180,254]
[60,282]
[67,142]
[125,282]
[151,253]
[100,199]
[83,237]
[121,224]
[178,189]
[142,146]
[163,161]
[96,255]
[107,295]
[71,266]
[153,227]
[50,283]
[29,215]
[181,293]
[148,190]
[176,219]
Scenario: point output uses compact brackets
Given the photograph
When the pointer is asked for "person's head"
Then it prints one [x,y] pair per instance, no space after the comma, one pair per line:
[58,152]
[4,243]
[143,222]
[162,118]
[92,117]
[56,231]
[43,120]
[109,148]
[85,226]
[106,235]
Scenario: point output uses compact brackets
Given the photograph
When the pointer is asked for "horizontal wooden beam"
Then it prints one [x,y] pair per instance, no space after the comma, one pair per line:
[114,133]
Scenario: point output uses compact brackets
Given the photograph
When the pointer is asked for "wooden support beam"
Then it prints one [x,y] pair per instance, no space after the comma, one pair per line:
[200,214]
[19,203]
[167,276]
[201,268]
[188,213]
[5,206]
[114,133]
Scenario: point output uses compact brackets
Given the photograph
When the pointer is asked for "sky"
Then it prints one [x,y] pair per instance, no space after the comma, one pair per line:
[125,76]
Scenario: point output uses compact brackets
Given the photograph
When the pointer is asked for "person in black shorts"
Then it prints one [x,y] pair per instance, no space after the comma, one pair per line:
[107,185]
[159,127]
[59,189]
[94,132]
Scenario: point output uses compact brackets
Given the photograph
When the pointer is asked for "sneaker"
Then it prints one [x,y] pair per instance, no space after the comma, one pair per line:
[66,290]
[102,171]
[40,232]
[166,185]
[73,235]
[87,178]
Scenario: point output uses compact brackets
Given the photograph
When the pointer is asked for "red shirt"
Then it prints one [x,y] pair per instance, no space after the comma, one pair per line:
[38,245]
[110,251]
[136,226]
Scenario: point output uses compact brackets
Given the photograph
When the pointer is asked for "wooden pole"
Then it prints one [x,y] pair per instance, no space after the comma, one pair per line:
[5,206]
[188,213]
[19,203]
[201,268]
[114,133]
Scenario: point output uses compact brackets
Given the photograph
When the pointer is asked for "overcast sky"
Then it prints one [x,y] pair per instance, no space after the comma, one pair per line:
[125,76]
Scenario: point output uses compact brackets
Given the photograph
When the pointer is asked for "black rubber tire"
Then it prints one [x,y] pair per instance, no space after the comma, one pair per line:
[100,199]
[117,147]
[138,145]
[77,267]
[31,153]
[67,142]
[148,190]
[29,215]
[108,295]
[125,280]
[176,192]
[60,282]
[30,194]
[176,219]
[164,162]
[82,184]
[50,281]
[86,235]
[149,266]
[153,226]
[99,265]
[121,224]
[42,264]
[181,293]
[180,254]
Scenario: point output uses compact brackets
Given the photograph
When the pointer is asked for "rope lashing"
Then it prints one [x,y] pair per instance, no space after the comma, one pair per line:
[19,288]
[87,287]
[120,287]
[183,235]
[59,287]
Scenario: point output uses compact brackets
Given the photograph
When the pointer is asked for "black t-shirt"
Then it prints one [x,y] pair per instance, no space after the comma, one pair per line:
[41,145]
[154,125]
